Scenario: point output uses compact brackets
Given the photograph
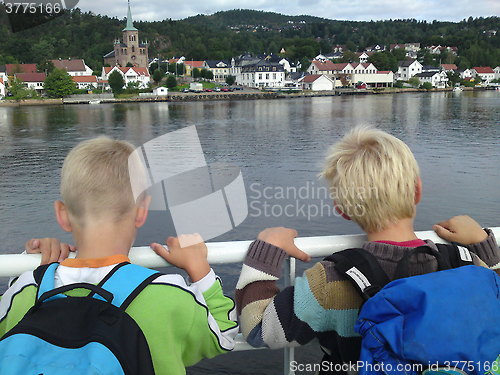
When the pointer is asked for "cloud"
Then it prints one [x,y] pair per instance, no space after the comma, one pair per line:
[360,10]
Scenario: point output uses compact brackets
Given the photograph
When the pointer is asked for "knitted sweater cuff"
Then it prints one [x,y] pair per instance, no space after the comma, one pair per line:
[265,257]
[487,250]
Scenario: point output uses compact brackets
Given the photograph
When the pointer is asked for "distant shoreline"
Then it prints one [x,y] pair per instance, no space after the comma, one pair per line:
[214,96]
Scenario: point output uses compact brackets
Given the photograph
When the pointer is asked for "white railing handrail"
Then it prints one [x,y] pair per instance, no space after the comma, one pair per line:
[218,252]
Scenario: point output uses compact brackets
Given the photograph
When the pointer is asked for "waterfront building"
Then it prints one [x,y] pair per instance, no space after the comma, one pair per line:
[484,72]
[3,74]
[262,74]
[407,69]
[34,81]
[317,82]
[2,88]
[192,65]
[237,63]
[128,50]
[221,69]
[383,78]
[85,82]
[329,68]
[437,79]
[74,67]
[130,75]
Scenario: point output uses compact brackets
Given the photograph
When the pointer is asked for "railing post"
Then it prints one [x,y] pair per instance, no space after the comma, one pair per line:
[289,352]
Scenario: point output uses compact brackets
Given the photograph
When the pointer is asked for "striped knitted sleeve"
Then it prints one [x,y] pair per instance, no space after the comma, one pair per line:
[488,251]
[314,306]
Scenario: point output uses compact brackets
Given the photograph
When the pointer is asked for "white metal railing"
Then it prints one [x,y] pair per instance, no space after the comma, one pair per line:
[222,253]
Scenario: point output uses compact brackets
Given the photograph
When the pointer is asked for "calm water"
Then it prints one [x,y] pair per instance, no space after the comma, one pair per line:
[279,145]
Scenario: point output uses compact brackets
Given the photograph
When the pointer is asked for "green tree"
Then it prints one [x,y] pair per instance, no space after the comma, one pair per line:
[453,78]
[171,81]
[350,57]
[59,84]
[196,73]
[157,76]
[46,67]
[19,91]
[414,81]
[116,82]
[230,80]
[426,85]
[129,65]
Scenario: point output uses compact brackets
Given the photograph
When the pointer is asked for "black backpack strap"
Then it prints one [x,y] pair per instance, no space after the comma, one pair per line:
[457,255]
[362,268]
[403,267]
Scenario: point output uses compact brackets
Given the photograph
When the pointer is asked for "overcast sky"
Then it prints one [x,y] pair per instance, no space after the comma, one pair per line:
[359,10]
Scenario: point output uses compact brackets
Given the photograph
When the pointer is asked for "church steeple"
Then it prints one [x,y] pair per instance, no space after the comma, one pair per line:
[130,22]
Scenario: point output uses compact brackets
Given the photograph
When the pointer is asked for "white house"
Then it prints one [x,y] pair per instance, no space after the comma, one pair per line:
[85,82]
[467,73]
[75,67]
[317,82]
[3,74]
[221,69]
[407,69]
[262,74]
[497,72]
[32,81]
[484,72]
[2,88]
[437,79]
[130,75]
[160,91]
[287,66]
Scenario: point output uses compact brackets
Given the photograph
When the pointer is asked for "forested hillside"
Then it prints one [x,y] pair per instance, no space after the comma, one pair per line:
[230,33]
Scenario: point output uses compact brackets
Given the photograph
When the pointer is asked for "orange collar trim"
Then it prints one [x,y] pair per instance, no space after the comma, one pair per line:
[95,262]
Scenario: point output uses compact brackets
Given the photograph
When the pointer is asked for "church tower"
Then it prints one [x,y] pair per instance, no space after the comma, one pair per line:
[128,50]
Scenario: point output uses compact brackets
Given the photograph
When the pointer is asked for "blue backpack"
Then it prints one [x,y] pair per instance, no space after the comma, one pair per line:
[445,322]
[92,335]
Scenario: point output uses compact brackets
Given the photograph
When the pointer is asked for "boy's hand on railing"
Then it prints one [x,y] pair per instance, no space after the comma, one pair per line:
[52,249]
[283,238]
[462,229]
[188,251]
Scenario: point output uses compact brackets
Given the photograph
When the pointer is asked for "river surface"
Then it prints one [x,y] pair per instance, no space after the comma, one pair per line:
[279,145]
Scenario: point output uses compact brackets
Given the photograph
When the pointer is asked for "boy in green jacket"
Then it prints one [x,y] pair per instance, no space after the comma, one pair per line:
[182,322]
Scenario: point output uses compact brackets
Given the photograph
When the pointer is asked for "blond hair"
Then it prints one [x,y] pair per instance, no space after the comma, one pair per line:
[372,177]
[95,179]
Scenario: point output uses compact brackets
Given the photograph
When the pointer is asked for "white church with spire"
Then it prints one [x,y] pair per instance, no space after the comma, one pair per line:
[128,51]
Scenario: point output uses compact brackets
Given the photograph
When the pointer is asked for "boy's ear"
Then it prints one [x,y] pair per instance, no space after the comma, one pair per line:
[62,216]
[142,210]
[418,191]
[340,212]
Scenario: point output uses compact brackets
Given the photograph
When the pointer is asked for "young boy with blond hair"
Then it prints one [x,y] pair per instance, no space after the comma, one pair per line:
[182,323]
[374,180]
